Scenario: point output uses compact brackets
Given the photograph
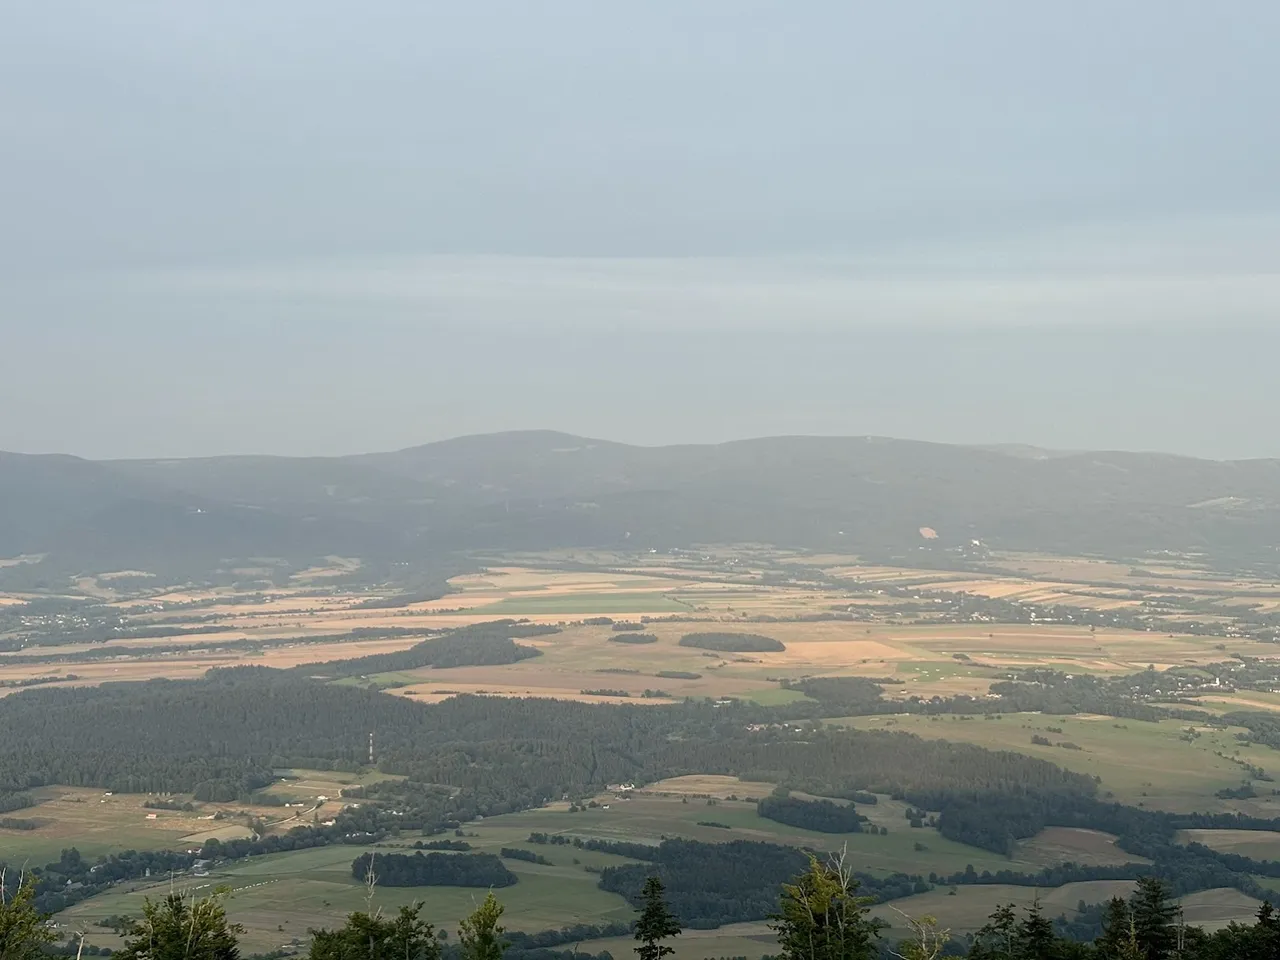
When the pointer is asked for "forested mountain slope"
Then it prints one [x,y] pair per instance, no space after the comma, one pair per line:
[541,490]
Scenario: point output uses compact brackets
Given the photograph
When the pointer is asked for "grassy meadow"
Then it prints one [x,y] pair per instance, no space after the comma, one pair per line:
[1139,763]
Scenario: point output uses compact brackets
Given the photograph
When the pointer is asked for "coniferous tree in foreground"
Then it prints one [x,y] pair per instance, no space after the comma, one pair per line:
[1154,919]
[656,923]
[177,928]
[823,918]
[479,935]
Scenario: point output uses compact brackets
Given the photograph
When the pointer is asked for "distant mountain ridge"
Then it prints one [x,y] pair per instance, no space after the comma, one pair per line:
[542,489]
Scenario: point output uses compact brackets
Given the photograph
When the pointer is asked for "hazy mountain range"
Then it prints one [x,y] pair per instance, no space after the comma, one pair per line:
[539,489]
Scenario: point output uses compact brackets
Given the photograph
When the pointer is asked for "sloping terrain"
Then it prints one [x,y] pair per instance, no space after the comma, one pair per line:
[541,490]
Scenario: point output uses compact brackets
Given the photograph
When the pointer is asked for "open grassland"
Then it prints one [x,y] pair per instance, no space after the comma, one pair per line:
[679,808]
[1055,845]
[309,888]
[968,907]
[1148,764]
[1258,844]
[94,823]
[99,823]
[1215,909]
[280,897]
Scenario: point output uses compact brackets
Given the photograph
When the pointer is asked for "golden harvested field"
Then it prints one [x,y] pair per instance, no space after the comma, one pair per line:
[708,785]
[929,656]
[195,664]
[586,657]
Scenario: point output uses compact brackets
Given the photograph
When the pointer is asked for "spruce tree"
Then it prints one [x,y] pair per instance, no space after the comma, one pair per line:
[1116,928]
[655,924]
[1035,935]
[997,937]
[1154,919]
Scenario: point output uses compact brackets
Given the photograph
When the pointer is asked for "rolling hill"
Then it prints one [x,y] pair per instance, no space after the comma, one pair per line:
[538,490]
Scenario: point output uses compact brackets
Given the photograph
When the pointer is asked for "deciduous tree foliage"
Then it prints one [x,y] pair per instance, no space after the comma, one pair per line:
[823,918]
[181,928]
[364,936]
[480,935]
[23,933]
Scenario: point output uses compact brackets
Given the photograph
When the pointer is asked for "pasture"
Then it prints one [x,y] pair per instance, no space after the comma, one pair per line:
[98,823]
[278,898]
[1151,764]
[1257,844]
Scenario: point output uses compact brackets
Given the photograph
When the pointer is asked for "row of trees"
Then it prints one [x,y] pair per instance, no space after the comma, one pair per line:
[822,916]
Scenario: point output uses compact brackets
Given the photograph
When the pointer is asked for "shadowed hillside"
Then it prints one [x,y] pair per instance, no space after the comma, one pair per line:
[538,490]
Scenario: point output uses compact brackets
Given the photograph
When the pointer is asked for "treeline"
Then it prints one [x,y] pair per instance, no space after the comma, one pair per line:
[711,884]
[632,637]
[433,870]
[18,823]
[528,856]
[15,801]
[841,696]
[72,878]
[733,642]
[441,845]
[821,815]
[481,645]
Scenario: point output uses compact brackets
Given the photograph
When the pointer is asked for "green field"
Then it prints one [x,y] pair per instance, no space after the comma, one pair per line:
[1149,764]
[649,819]
[311,888]
[776,697]
[99,824]
[279,897]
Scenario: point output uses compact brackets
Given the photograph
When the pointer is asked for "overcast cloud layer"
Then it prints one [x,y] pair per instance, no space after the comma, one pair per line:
[319,227]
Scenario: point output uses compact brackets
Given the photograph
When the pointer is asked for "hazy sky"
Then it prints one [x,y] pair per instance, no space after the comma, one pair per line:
[317,227]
